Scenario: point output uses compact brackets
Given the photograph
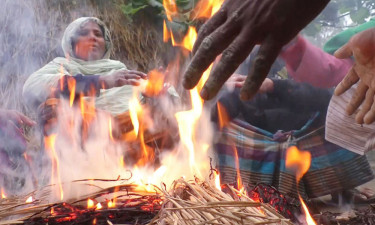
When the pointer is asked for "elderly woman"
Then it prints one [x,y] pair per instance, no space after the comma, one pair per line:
[87,46]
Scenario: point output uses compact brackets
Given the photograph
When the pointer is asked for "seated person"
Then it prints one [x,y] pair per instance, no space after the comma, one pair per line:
[87,47]
[283,114]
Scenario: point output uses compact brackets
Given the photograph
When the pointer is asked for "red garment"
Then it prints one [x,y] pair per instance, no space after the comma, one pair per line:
[308,63]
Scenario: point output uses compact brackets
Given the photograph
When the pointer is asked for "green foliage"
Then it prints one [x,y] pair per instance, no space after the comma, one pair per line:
[339,12]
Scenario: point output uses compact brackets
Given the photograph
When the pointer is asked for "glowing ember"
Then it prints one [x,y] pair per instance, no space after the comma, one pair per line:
[299,161]
[99,206]
[90,203]
[111,204]
[29,199]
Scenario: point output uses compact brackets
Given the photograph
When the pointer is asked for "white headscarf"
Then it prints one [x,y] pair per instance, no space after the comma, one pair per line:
[38,86]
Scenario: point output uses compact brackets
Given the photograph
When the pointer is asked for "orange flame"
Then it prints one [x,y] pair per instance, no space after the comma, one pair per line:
[111,204]
[189,39]
[170,8]
[299,161]
[49,143]
[206,8]
[237,163]
[222,115]
[90,203]
[155,83]
[29,199]
[3,194]
[135,109]
[217,179]
[110,129]
[72,90]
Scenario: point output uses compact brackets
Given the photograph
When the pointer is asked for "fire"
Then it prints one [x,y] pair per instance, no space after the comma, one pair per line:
[187,42]
[170,7]
[240,186]
[72,90]
[155,83]
[29,199]
[111,204]
[98,206]
[90,203]
[217,180]
[49,143]
[110,129]
[299,161]
[206,8]
[222,116]
[190,39]
[2,194]
[135,109]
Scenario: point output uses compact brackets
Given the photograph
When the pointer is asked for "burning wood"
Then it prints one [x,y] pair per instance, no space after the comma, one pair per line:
[192,202]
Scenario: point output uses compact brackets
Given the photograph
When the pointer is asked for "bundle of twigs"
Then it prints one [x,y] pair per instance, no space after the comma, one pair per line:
[198,202]
[192,202]
[132,205]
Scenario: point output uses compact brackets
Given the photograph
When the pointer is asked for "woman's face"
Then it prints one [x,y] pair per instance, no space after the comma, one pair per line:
[90,43]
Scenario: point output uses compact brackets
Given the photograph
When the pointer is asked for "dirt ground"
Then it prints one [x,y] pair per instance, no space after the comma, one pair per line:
[350,213]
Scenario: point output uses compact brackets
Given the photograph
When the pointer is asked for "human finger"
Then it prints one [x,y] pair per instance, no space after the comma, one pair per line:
[131,76]
[212,46]
[139,73]
[357,98]
[211,25]
[366,106]
[266,56]
[26,120]
[231,58]
[344,52]
[349,80]
[370,115]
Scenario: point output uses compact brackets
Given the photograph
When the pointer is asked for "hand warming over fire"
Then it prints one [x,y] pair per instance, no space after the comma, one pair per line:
[237,80]
[235,29]
[121,78]
[362,48]
[16,117]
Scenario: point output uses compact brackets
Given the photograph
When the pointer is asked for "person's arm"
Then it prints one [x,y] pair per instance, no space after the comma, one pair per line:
[308,63]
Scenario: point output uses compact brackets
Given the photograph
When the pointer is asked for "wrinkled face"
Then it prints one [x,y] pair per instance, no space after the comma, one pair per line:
[89,43]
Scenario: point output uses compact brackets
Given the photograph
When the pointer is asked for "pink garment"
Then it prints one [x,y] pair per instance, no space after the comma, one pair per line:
[308,63]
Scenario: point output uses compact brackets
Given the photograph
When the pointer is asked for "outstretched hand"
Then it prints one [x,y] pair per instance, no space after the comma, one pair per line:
[235,29]
[16,117]
[362,47]
[122,77]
